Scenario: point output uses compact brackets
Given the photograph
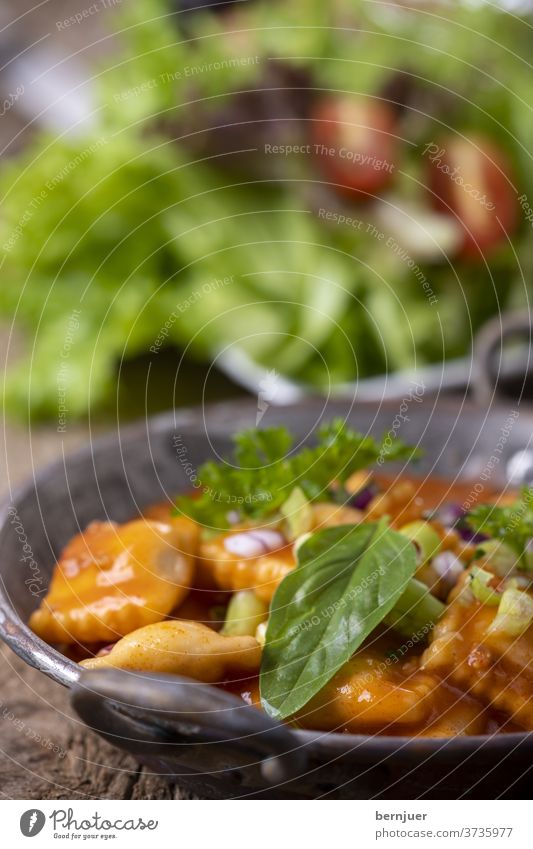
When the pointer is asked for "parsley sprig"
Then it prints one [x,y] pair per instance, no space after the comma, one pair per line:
[512,524]
[266,467]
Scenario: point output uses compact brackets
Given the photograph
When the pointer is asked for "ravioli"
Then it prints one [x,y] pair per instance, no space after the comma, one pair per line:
[112,579]
[221,569]
[182,648]
[495,668]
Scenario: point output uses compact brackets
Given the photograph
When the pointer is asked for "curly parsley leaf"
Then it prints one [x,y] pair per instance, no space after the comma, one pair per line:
[512,524]
[266,468]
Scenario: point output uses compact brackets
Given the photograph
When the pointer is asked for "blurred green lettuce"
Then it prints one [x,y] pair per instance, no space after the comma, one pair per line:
[129,238]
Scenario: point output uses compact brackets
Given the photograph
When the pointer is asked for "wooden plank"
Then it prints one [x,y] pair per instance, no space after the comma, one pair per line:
[47,753]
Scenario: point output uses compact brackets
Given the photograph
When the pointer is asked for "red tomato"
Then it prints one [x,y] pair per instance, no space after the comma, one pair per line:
[471,179]
[354,142]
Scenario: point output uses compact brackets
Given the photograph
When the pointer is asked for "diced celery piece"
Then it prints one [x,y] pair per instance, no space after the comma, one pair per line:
[245,613]
[515,613]
[479,584]
[416,611]
[501,557]
[297,513]
[425,538]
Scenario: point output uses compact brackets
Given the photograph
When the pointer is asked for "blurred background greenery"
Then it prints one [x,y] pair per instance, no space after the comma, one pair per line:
[331,191]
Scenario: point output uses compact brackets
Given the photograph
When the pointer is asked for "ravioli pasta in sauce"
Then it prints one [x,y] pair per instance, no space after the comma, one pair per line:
[164,594]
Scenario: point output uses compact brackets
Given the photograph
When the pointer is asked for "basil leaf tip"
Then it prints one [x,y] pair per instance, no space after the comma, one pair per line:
[347,580]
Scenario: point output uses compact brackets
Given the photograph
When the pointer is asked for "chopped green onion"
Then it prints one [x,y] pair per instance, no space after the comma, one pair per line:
[515,613]
[502,558]
[480,585]
[416,611]
[297,513]
[245,613]
[426,539]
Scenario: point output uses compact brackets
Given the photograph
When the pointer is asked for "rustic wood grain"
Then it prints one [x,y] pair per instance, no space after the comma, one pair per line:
[47,753]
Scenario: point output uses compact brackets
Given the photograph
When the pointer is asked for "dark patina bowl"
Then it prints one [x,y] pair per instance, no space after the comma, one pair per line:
[204,737]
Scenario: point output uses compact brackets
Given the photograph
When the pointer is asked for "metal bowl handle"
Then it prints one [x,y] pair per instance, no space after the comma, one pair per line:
[493,335]
[165,716]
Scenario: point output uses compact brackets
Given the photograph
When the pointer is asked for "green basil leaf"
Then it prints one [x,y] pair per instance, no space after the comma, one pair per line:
[347,579]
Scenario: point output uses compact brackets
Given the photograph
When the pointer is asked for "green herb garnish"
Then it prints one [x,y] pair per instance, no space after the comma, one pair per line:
[512,524]
[266,469]
[347,580]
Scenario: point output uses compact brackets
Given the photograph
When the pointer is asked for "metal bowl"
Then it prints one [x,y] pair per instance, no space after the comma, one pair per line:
[203,737]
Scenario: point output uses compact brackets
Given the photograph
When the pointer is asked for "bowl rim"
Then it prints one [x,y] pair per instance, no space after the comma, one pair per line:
[47,659]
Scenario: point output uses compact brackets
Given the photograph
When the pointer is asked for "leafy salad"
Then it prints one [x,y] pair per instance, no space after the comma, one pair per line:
[366,256]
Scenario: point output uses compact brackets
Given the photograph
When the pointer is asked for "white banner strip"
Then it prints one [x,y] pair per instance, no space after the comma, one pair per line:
[256,823]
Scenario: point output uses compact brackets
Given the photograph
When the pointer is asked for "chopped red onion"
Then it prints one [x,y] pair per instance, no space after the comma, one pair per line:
[362,499]
[468,535]
[254,543]
[270,538]
[105,650]
[453,515]
[448,567]
[449,514]
[244,545]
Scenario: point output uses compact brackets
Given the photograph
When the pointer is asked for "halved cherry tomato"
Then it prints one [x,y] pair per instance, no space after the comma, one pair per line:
[471,179]
[354,142]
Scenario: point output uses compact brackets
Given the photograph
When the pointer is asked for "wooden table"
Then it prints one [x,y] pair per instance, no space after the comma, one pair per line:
[45,751]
